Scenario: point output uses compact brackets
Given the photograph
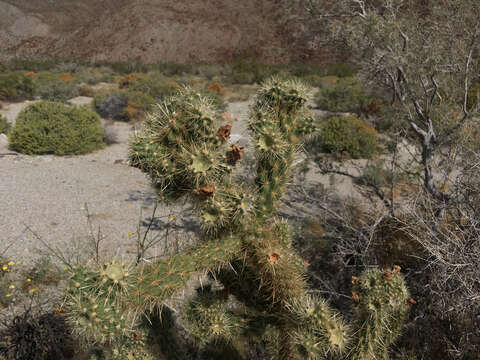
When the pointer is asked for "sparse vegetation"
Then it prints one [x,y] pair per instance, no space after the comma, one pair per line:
[260,286]
[54,87]
[15,86]
[319,266]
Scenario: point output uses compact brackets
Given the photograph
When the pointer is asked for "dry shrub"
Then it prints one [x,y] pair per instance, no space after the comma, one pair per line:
[130,80]
[66,77]
[130,111]
[329,80]
[217,88]
[373,107]
[395,244]
[87,90]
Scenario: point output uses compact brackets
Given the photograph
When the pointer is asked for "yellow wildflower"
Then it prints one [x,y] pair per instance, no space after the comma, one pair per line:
[11,263]
[8,295]
[18,262]
[172,218]
[12,286]
[33,290]
[5,267]
[29,280]
[129,234]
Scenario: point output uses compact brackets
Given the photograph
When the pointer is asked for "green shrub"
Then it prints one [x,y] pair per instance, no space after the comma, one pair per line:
[250,72]
[389,120]
[243,78]
[313,80]
[55,87]
[171,69]
[87,90]
[123,105]
[123,67]
[138,103]
[53,128]
[110,105]
[131,80]
[340,70]
[155,84]
[5,126]
[94,76]
[69,67]
[349,135]
[32,63]
[303,69]
[346,95]
[15,86]
[210,71]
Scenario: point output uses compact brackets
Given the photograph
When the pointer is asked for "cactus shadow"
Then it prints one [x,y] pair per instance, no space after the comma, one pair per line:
[147,198]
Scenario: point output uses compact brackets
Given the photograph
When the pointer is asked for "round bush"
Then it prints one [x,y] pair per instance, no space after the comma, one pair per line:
[48,127]
[123,105]
[349,135]
[111,106]
[344,95]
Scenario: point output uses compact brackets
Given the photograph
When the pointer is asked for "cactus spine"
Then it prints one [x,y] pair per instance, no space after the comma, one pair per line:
[184,150]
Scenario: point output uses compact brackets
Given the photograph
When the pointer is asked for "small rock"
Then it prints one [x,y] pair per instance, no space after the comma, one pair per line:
[3,142]
[234,138]
[80,100]
[119,161]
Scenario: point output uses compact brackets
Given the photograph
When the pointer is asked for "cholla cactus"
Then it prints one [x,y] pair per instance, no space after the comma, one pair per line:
[184,150]
[95,307]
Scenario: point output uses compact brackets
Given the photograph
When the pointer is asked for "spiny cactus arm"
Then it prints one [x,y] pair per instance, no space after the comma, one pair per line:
[227,208]
[161,280]
[320,331]
[100,298]
[97,318]
[266,273]
[209,318]
[278,122]
[184,151]
[280,271]
[94,305]
[381,310]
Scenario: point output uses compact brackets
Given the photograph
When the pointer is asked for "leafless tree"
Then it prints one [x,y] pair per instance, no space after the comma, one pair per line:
[426,56]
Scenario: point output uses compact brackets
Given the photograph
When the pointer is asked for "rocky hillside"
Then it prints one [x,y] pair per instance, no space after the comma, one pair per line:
[156,30]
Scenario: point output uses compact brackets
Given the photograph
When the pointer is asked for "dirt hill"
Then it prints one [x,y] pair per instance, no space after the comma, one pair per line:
[156,30]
